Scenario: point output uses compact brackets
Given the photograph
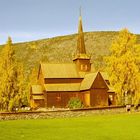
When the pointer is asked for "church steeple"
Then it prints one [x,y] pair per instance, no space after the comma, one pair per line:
[81,59]
[80,41]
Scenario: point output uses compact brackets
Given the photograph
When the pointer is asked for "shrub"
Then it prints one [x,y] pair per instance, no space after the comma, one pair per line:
[75,103]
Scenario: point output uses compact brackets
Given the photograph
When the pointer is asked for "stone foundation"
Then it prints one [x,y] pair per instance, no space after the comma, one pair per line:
[59,114]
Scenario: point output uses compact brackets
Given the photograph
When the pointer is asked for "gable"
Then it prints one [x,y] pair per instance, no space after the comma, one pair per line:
[99,82]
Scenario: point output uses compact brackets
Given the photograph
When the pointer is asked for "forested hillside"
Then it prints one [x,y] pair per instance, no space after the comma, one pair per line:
[61,49]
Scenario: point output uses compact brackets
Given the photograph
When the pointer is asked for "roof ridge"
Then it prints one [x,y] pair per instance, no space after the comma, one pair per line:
[56,63]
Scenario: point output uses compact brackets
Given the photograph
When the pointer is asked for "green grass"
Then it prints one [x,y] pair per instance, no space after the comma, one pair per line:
[98,127]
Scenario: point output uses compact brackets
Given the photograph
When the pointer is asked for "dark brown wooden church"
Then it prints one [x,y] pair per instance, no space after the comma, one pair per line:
[58,83]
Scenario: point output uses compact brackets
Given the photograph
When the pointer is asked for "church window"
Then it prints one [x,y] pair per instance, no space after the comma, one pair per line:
[82,67]
[86,67]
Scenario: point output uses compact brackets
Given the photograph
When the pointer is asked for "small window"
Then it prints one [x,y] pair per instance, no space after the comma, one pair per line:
[86,67]
[82,67]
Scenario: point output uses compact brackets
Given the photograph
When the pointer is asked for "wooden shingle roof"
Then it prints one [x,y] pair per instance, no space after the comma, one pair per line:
[88,81]
[63,87]
[38,97]
[84,85]
[37,89]
[63,70]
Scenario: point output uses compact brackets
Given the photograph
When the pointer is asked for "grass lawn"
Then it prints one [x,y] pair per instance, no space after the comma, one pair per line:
[98,127]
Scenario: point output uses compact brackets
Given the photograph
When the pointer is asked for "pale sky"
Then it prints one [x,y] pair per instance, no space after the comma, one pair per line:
[26,20]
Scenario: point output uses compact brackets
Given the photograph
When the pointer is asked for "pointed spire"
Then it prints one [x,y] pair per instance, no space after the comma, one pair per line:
[80,42]
[81,59]
[80,26]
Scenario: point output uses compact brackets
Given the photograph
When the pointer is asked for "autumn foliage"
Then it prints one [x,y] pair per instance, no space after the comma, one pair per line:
[12,89]
[124,67]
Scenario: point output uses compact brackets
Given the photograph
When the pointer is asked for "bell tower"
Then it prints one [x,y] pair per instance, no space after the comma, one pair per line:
[81,59]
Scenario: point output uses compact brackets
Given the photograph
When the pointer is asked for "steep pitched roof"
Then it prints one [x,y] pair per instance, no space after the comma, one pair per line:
[80,42]
[86,84]
[81,50]
[36,89]
[63,87]
[38,97]
[88,81]
[91,78]
[63,70]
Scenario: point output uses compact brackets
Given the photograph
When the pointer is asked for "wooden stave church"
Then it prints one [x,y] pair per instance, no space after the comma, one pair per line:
[58,83]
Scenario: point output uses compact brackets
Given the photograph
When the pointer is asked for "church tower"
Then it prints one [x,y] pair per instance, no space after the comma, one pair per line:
[81,59]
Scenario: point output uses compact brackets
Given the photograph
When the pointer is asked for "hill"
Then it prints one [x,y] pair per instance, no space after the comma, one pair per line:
[62,48]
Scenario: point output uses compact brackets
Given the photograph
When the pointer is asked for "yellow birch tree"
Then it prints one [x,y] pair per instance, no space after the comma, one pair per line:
[11,79]
[123,67]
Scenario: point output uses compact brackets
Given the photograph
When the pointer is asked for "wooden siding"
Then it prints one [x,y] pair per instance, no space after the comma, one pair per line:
[62,80]
[99,83]
[98,93]
[85,98]
[99,97]
[59,99]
